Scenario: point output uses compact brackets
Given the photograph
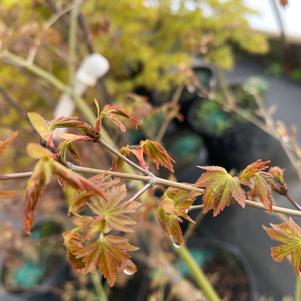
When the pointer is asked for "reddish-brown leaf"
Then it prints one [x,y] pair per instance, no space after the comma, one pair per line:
[249,172]
[157,154]
[109,254]
[261,188]
[220,189]
[35,187]
[69,122]
[289,236]
[114,112]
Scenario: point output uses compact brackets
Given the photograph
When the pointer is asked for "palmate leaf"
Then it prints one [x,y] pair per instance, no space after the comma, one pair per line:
[220,189]
[174,205]
[259,181]
[251,170]
[157,154]
[114,214]
[289,236]
[113,113]
[109,254]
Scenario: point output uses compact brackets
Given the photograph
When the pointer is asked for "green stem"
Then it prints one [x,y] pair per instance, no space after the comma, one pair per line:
[100,292]
[197,273]
[298,289]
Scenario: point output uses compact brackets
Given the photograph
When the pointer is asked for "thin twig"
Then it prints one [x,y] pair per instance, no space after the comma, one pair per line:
[153,181]
[140,192]
[112,150]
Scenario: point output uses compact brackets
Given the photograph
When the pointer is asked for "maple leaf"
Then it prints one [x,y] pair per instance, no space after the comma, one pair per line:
[220,189]
[259,181]
[114,112]
[69,122]
[40,125]
[174,205]
[289,235]
[4,144]
[158,154]
[249,172]
[35,187]
[261,187]
[109,254]
[170,224]
[65,147]
[114,214]
[118,162]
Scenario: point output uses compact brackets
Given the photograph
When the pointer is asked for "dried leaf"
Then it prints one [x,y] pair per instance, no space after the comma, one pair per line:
[157,153]
[220,189]
[289,235]
[40,125]
[7,142]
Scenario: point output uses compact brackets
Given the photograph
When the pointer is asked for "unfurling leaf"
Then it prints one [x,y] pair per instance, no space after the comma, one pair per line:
[37,151]
[249,172]
[69,122]
[118,162]
[174,205]
[289,236]
[259,181]
[157,153]
[108,253]
[40,125]
[278,183]
[261,188]
[7,142]
[220,189]
[137,151]
[35,187]
[114,112]
[65,147]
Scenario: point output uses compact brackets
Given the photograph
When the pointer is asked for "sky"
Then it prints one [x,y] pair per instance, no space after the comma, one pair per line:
[267,22]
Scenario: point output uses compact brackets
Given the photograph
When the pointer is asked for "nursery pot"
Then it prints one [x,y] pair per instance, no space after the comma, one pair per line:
[231,141]
[32,277]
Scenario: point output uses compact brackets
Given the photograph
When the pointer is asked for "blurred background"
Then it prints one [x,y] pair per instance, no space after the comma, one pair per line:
[217,81]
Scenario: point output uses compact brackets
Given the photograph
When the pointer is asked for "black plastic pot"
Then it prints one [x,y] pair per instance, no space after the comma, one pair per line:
[225,265]
[37,280]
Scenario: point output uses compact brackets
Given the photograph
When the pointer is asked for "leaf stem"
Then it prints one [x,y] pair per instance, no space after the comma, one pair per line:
[197,273]
[100,292]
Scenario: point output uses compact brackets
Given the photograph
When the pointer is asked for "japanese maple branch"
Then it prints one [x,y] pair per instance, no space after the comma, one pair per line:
[154,181]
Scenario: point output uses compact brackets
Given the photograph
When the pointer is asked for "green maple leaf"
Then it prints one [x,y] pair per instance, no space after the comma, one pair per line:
[289,235]
[220,189]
